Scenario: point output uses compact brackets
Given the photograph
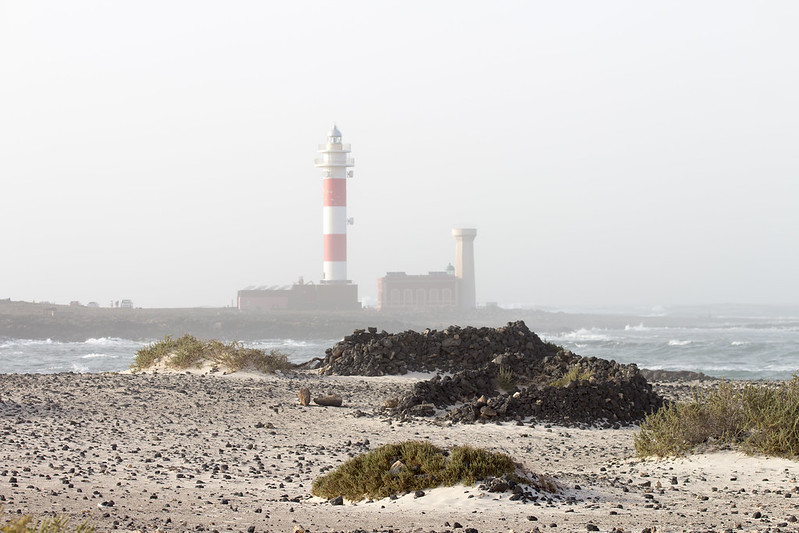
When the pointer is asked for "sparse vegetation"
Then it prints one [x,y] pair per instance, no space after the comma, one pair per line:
[190,352]
[30,524]
[416,466]
[575,373]
[754,418]
[505,379]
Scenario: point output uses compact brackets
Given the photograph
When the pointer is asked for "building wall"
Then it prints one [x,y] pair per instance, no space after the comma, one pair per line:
[263,300]
[436,290]
[306,297]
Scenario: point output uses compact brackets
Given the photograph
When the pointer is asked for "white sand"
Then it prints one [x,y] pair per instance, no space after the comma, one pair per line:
[144,441]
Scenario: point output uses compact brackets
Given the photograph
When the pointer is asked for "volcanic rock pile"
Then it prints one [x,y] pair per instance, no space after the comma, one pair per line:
[505,373]
[369,353]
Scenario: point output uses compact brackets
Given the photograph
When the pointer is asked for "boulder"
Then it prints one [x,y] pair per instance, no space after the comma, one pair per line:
[305,396]
[396,468]
[331,400]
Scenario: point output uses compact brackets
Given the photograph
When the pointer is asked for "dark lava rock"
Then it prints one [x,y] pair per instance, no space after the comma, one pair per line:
[479,362]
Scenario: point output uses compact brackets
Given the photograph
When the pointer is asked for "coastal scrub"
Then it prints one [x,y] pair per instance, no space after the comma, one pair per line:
[505,379]
[416,465]
[756,418]
[575,373]
[190,352]
[29,524]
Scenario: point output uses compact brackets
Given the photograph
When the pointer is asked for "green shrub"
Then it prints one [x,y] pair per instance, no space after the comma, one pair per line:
[29,524]
[423,466]
[467,465]
[575,373]
[505,379]
[190,352]
[184,352]
[772,414]
[235,357]
[755,418]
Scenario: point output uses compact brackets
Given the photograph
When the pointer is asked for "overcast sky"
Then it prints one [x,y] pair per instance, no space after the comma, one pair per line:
[608,153]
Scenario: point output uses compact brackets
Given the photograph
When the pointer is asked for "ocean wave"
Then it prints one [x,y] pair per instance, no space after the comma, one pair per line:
[98,356]
[9,342]
[292,343]
[675,342]
[80,369]
[583,334]
[106,341]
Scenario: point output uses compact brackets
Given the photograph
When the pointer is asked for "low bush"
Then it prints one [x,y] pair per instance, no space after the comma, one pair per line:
[419,465]
[190,352]
[505,379]
[236,357]
[575,373]
[754,418]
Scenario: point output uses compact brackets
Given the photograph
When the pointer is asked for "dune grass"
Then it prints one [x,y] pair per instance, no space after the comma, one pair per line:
[505,379]
[190,352]
[575,373]
[755,418]
[421,466]
[30,524]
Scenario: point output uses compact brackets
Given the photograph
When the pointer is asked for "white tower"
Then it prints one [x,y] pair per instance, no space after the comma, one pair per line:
[464,265]
[334,164]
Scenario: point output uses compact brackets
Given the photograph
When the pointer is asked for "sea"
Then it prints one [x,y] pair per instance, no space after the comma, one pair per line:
[751,348]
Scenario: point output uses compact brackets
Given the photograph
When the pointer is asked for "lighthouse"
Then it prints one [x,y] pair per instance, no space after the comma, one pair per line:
[335,164]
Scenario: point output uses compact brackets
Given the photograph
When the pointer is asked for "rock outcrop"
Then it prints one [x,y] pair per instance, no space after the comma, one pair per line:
[505,373]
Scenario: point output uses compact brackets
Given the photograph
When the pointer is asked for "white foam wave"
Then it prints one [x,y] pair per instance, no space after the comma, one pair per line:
[583,334]
[26,342]
[739,343]
[98,356]
[639,327]
[675,342]
[79,369]
[106,341]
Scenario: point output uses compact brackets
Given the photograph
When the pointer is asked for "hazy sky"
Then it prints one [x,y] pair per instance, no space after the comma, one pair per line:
[608,153]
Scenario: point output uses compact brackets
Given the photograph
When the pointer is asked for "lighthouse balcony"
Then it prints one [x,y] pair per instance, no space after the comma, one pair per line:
[344,162]
[335,147]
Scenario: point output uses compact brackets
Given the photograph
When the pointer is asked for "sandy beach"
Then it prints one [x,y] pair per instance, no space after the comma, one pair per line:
[237,452]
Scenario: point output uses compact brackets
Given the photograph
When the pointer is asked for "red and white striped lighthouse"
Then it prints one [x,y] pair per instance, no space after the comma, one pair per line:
[334,164]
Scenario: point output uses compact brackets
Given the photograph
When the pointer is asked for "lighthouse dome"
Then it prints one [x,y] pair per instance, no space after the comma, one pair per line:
[334,132]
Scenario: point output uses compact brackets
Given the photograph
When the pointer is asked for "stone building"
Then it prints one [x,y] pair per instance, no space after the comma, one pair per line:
[300,297]
[451,289]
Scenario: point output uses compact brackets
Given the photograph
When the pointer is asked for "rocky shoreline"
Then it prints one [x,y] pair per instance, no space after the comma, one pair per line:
[26,320]
[213,452]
